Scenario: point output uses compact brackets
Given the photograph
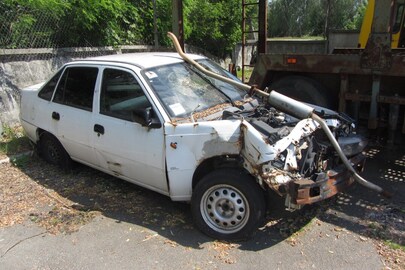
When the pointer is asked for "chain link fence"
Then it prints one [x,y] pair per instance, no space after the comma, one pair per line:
[34,43]
[23,27]
[59,24]
[32,26]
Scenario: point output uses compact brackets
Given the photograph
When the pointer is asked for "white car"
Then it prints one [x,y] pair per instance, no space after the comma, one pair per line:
[158,122]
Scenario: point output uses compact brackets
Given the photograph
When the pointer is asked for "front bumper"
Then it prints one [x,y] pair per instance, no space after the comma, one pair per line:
[306,191]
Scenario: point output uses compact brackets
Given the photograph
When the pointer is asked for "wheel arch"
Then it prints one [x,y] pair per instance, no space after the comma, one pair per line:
[42,132]
[213,163]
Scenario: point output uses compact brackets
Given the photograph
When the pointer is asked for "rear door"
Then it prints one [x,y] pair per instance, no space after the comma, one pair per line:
[71,111]
[123,145]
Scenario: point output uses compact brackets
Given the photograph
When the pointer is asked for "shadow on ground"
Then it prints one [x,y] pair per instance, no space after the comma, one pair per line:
[92,191]
[367,213]
[358,210]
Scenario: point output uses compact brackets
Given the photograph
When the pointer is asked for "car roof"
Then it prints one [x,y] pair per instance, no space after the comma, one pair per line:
[142,60]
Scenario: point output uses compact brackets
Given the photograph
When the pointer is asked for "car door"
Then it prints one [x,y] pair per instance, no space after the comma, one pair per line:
[124,145]
[71,112]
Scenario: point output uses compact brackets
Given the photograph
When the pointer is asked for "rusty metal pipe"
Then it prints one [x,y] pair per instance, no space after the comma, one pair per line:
[293,106]
[279,101]
[201,68]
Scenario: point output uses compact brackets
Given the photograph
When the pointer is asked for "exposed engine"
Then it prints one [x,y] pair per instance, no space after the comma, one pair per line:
[310,155]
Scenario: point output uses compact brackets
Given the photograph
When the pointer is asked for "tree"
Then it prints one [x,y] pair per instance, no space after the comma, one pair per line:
[29,23]
[60,23]
[313,17]
[213,25]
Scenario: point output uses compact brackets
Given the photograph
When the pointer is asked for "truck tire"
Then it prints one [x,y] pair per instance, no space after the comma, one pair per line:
[228,204]
[53,152]
[304,89]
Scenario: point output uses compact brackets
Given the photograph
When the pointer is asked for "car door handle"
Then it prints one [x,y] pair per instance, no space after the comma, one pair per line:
[98,129]
[55,116]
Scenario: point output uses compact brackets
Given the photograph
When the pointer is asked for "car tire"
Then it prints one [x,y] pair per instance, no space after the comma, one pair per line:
[53,152]
[304,89]
[228,204]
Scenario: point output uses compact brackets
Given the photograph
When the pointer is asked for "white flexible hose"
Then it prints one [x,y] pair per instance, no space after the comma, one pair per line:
[344,159]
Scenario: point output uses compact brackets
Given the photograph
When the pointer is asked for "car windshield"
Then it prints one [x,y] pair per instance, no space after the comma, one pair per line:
[231,91]
[184,90]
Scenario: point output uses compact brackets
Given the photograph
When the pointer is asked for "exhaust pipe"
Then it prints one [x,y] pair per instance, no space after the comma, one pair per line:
[288,105]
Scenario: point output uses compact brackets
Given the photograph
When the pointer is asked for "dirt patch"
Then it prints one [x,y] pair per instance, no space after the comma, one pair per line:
[62,202]
[386,224]
[24,199]
[20,196]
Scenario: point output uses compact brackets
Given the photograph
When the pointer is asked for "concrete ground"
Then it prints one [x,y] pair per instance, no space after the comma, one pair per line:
[335,235]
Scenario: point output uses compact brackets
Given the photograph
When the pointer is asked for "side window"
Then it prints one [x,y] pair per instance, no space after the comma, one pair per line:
[121,95]
[76,87]
[47,90]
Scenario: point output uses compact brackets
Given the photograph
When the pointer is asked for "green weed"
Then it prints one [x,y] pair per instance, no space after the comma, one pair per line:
[20,161]
[13,141]
[394,245]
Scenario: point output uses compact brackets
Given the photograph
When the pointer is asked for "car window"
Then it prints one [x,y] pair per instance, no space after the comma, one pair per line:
[121,95]
[183,90]
[231,91]
[47,90]
[76,87]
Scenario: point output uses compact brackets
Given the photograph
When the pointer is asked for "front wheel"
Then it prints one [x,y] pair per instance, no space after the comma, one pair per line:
[228,204]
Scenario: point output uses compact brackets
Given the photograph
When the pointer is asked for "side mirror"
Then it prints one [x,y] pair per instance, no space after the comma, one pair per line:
[145,118]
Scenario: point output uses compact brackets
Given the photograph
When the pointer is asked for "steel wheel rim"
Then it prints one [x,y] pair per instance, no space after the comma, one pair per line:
[225,209]
[53,152]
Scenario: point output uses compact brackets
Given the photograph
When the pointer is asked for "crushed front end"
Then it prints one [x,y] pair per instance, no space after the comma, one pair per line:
[307,191]
[294,157]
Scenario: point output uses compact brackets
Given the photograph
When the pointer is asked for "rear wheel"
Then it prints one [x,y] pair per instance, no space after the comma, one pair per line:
[228,204]
[53,152]
[304,89]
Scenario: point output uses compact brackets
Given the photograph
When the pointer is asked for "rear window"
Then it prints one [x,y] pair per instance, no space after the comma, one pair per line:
[47,90]
[76,87]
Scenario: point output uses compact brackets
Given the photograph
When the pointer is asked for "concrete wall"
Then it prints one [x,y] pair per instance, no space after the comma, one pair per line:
[22,68]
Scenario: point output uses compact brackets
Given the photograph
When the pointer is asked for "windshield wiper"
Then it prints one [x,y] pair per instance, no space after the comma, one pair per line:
[206,79]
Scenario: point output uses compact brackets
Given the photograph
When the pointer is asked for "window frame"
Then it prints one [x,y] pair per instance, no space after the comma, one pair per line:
[94,86]
[56,76]
[141,87]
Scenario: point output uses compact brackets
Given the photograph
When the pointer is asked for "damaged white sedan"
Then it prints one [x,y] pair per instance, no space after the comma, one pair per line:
[159,122]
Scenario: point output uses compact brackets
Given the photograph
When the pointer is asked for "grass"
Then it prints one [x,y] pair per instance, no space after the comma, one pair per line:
[394,246]
[248,73]
[20,161]
[13,141]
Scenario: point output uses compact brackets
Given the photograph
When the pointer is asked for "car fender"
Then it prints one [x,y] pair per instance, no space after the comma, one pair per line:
[189,144]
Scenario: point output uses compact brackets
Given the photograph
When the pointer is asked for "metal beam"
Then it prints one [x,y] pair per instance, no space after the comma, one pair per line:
[155,32]
[178,30]
[262,42]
